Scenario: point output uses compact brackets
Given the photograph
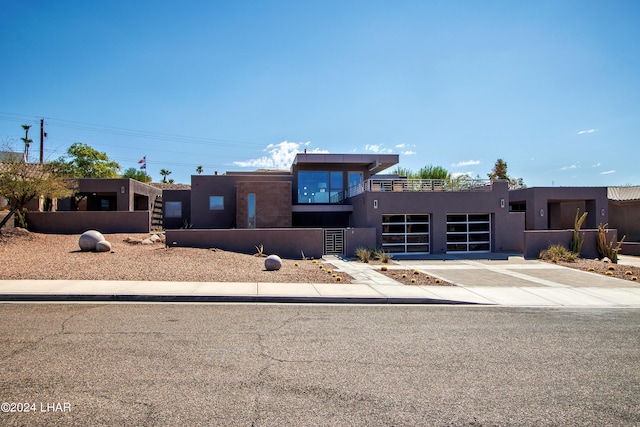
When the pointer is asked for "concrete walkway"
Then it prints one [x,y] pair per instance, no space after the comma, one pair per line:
[511,282]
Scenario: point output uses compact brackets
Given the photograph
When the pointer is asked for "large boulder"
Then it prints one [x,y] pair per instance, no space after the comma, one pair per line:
[103,246]
[273,262]
[89,239]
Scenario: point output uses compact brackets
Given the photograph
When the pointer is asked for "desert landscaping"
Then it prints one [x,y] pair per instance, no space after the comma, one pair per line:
[27,255]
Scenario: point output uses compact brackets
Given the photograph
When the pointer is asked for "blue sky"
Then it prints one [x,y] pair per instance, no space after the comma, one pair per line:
[551,87]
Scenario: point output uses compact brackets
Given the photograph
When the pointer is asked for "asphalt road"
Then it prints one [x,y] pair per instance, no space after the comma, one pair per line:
[275,365]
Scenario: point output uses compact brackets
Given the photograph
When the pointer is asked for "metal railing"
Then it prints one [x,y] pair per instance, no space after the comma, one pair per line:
[418,185]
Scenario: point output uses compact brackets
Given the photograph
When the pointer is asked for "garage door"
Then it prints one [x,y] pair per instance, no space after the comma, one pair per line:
[469,233]
[405,233]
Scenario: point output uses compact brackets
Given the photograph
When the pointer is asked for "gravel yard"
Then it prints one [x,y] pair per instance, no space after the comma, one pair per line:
[25,255]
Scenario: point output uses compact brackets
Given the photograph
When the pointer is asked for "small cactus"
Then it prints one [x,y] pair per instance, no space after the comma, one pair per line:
[413,280]
[609,273]
[628,273]
[404,275]
[591,269]
[438,281]
[416,271]
[611,267]
[383,268]
[634,278]
[339,279]
[329,271]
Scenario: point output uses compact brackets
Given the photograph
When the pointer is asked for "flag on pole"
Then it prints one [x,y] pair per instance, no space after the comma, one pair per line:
[143,163]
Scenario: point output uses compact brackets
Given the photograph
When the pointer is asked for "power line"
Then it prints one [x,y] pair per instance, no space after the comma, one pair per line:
[106,129]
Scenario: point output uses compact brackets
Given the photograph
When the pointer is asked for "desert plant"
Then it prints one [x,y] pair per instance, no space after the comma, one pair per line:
[605,249]
[260,252]
[556,253]
[384,257]
[578,240]
[363,254]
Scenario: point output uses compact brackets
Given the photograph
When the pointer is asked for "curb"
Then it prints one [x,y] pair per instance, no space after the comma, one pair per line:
[225,299]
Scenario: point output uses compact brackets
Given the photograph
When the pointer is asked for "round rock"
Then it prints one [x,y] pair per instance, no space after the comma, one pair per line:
[272,262]
[89,239]
[103,246]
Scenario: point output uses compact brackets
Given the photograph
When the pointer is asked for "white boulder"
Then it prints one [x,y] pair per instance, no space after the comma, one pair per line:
[103,246]
[89,239]
[273,262]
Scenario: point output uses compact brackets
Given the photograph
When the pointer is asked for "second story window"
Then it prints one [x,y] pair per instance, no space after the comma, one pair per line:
[319,186]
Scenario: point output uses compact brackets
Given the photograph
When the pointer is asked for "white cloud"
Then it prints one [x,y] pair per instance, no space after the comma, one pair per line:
[409,153]
[459,174]
[564,168]
[465,163]
[597,165]
[607,172]
[378,149]
[280,156]
[582,132]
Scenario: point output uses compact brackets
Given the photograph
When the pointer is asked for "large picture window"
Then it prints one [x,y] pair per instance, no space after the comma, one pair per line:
[319,186]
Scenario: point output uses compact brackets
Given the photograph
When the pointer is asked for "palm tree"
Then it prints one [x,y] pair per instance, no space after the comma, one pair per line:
[165,173]
[199,170]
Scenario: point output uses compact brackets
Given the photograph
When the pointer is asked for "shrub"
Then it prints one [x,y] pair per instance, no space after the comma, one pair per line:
[363,254]
[556,253]
[384,257]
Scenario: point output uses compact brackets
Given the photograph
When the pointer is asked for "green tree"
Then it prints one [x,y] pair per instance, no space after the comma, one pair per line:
[136,174]
[434,172]
[403,172]
[199,170]
[82,161]
[21,182]
[499,171]
[165,173]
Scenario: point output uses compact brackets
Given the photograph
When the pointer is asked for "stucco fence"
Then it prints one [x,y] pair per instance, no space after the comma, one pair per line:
[64,222]
[284,242]
[537,240]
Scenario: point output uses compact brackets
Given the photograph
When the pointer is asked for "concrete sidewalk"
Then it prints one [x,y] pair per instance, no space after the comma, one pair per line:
[511,282]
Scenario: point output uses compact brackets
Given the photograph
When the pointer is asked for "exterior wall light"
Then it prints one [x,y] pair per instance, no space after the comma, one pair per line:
[541,212]
[502,203]
[602,212]
[122,190]
[375,204]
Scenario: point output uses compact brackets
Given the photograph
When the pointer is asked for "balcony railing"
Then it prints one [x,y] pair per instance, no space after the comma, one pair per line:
[418,185]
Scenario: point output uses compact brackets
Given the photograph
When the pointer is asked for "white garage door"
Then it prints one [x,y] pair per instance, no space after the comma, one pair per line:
[469,233]
[405,233]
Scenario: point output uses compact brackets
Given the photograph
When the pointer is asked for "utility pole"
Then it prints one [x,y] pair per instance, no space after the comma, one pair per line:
[42,136]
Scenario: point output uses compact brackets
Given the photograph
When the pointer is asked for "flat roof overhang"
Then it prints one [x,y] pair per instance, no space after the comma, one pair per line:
[322,208]
[374,162]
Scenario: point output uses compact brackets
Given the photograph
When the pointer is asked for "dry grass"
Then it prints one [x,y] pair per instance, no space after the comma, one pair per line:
[25,255]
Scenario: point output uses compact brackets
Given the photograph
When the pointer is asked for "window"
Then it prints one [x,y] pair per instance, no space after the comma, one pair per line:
[173,209]
[216,203]
[251,209]
[319,186]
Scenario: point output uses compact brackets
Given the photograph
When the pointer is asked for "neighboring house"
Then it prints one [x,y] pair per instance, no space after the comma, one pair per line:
[118,205]
[624,215]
